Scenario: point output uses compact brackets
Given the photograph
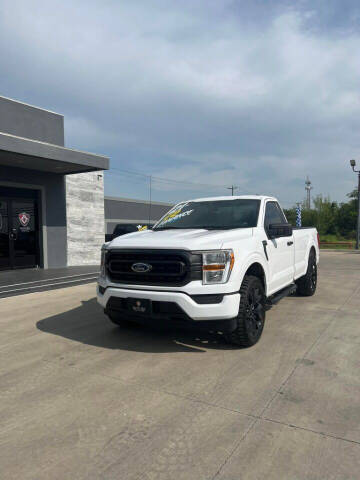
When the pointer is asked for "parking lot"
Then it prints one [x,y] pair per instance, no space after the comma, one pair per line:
[83,399]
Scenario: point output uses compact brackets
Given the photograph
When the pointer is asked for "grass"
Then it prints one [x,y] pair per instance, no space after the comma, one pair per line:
[333,239]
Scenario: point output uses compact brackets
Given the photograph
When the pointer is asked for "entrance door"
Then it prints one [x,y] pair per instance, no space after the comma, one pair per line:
[4,235]
[19,233]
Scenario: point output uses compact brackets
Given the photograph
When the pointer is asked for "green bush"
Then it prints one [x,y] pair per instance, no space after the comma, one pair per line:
[332,219]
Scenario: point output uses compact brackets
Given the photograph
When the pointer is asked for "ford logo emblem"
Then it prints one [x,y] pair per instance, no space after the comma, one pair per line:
[141,267]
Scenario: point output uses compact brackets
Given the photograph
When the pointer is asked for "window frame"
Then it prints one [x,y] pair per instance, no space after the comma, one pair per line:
[282,215]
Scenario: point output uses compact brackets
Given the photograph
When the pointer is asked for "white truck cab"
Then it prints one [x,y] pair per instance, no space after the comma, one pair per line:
[211,262]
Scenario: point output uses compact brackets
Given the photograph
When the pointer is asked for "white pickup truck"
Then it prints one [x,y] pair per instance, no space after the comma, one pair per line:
[217,263]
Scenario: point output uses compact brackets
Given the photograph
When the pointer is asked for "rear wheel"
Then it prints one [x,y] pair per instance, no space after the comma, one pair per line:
[306,285]
[251,316]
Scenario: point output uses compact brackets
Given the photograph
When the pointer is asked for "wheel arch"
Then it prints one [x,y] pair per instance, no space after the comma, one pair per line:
[257,269]
[311,249]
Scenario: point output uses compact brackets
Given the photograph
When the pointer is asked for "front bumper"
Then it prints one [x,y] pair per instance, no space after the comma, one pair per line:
[228,308]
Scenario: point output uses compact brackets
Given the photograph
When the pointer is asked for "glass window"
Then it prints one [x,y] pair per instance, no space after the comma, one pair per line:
[273,214]
[212,215]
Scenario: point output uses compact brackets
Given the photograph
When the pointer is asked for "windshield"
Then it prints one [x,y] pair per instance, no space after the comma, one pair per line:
[211,215]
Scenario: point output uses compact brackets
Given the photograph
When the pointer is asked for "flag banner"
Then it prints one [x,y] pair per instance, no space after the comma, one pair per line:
[298,216]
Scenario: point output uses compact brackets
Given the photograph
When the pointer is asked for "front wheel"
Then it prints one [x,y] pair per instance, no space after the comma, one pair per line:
[306,285]
[251,316]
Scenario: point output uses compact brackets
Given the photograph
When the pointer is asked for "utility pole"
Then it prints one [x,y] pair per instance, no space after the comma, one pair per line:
[308,189]
[353,165]
[232,188]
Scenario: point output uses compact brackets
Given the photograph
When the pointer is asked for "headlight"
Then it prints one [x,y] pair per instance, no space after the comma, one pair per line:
[217,266]
[103,263]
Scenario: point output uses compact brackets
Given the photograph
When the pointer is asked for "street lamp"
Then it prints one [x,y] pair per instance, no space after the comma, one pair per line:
[353,165]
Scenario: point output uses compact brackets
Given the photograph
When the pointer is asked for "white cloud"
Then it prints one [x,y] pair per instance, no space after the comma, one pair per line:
[190,85]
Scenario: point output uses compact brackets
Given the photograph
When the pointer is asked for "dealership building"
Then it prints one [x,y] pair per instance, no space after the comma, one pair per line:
[51,197]
[52,207]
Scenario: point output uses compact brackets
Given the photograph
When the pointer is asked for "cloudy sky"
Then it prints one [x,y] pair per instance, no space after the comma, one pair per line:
[255,93]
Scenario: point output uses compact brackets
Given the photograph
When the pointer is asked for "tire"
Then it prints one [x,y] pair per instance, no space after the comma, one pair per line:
[306,285]
[251,316]
[119,320]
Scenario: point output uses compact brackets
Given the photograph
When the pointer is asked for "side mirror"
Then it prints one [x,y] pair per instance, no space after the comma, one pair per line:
[277,230]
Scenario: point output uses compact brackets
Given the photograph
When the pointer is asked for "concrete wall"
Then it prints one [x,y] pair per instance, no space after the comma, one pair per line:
[85,217]
[52,188]
[27,121]
[127,210]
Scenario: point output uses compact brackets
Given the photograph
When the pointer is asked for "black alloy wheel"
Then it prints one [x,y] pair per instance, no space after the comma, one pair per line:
[313,275]
[255,313]
[306,285]
[251,316]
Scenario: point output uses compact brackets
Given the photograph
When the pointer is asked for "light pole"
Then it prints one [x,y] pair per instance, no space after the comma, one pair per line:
[353,165]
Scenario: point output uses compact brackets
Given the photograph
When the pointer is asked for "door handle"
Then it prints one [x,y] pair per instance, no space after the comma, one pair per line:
[290,243]
[13,234]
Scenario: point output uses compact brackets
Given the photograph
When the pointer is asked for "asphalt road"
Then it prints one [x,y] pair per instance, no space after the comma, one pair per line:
[83,399]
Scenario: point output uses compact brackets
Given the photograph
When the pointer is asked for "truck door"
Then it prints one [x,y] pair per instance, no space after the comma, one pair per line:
[280,250]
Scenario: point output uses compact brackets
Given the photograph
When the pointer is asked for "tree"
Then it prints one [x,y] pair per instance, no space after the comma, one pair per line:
[330,218]
[353,195]
[347,216]
[326,211]
[290,214]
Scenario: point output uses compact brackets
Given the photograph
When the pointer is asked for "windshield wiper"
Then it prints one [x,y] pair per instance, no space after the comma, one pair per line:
[198,227]
[212,227]
[167,228]
[184,228]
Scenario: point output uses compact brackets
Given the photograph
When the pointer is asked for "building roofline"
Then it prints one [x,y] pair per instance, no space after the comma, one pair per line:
[134,200]
[62,147]
[32,106]
[66,158]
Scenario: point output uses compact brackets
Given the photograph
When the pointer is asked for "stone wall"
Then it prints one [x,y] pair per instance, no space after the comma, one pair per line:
[85,218]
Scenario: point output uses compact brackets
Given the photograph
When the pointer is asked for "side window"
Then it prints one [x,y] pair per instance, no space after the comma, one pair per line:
[273,214]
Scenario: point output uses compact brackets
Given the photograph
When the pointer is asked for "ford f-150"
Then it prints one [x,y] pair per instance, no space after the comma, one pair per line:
[217,263]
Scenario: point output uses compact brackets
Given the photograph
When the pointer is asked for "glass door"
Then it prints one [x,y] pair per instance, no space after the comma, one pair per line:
[4,235]
[23,233]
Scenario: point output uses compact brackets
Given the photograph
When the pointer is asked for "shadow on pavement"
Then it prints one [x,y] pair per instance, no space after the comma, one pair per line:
[87,324]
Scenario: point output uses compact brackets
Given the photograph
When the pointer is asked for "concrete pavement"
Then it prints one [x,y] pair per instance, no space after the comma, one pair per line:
[83,399]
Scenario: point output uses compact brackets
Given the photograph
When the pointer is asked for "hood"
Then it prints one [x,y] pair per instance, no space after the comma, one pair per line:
[189,239]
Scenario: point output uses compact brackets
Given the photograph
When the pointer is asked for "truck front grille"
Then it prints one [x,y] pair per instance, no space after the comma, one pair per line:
[167,267]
